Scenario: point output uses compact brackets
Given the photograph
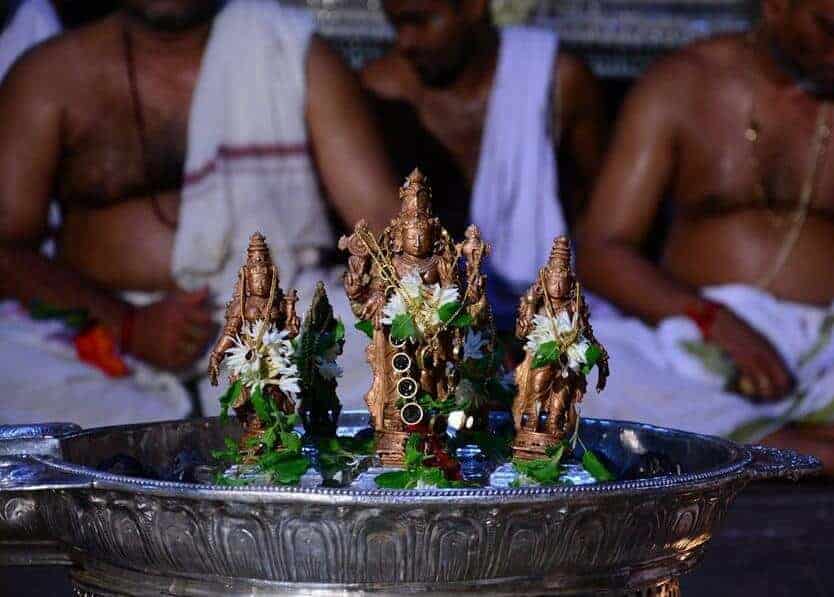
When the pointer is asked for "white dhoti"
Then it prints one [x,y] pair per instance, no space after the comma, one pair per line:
[667,375]
[43,380]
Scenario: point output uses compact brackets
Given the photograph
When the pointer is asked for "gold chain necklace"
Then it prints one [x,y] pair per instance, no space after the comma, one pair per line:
[822,133]
[819,144]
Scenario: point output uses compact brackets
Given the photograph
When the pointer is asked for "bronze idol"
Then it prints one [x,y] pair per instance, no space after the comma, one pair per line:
[258,306]
[561,349]
[404,286]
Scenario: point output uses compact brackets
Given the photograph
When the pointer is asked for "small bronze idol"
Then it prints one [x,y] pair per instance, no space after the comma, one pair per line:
[405,287]
[260,321]
[561,349]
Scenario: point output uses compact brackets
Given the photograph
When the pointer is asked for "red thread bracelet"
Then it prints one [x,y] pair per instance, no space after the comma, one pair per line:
[703,315]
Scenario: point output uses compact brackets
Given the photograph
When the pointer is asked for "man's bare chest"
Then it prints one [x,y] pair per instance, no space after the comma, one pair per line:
[120,144]
[770,152]
[459,128]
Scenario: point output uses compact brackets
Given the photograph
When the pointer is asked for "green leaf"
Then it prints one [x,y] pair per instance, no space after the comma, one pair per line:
[364,446]
[72,318]
[556,452]
[284,467]
[293,420]
[394,480]
[224,481]
[542,470]
[269,437]
[403,328]
[413,454]
[434,477]
[290,441]
[289,471]
[592,355]
[227,399]
[593,465]
[448,310]
[229,455]
[546,354]
[464,319]
[365,326]
[260,406]
[339,332]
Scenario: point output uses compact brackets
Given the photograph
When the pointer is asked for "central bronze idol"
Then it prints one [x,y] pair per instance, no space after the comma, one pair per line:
[405,286]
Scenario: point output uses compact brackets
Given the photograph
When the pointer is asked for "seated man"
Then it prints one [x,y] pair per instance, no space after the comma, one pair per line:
[484,113]
[735,132]
[168,133]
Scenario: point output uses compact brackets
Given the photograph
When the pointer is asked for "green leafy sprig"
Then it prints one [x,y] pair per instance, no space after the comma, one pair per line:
[416,472]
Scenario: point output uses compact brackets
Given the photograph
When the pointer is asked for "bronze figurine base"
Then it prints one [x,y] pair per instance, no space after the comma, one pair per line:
[530,445]
[390,447]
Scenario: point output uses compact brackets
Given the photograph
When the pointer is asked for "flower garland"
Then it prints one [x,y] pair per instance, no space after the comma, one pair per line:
[553,337]
[264,363]
[418,310]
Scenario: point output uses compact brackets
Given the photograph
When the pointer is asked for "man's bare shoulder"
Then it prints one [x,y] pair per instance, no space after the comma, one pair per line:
[571,73]
[387,77]
[53,68]
[700,66]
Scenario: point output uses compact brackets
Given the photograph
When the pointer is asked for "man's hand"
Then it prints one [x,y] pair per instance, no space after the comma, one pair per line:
[174,332]
[763,376]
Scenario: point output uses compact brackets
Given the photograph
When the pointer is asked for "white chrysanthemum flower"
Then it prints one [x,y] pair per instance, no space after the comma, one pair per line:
[443,295]
[328,368]
[542,333]
[564,324]
[422,302]
[472,345]
[241,360]
[456,420]
[411,285]
[289,385]
[394,307]
[576,354]
[543,330]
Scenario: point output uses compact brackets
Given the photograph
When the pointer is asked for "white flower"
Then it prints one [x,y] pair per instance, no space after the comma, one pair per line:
[328,368]
[443,295]
[542,333]
[470,421]
[422,302]
[576,354]
[241,360]
[269,363]
[456,420]
[472,345]
[411,285]
[289,385]
[394,307]
[543,328]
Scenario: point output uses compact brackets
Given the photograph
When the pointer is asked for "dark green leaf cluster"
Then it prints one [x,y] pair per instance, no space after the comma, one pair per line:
[75,319]
[416,472]
[545,471]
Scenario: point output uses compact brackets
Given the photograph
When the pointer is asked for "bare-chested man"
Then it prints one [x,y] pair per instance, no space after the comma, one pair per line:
[70,129]
[734,131]
[434,92]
